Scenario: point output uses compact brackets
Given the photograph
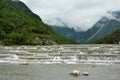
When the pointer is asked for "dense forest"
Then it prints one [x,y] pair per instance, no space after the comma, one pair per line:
[113,38]
[20,26]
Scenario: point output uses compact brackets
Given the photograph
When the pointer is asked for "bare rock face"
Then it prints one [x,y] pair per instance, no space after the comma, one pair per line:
[75,73]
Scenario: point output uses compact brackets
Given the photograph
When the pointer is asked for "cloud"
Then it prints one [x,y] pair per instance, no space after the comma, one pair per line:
[78,14]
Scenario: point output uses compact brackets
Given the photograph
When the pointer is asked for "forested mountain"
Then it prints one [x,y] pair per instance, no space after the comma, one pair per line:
[20,26]
[113,38]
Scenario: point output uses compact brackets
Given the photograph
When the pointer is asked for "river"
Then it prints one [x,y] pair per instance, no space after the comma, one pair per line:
[55,62]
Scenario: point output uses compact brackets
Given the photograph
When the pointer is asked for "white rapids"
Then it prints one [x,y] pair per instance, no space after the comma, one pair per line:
[61,54]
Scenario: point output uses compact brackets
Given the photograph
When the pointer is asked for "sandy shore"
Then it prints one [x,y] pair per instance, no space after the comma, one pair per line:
[58,72]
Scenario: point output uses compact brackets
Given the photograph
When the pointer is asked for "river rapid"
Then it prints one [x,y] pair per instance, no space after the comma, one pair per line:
[61,54]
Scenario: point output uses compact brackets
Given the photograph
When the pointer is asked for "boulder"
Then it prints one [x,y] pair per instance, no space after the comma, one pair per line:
[75,73]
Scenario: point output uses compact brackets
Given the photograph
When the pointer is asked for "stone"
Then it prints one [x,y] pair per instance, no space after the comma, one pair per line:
[85,73]
[75,73]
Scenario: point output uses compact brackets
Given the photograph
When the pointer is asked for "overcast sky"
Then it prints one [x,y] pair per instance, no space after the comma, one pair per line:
[79,14]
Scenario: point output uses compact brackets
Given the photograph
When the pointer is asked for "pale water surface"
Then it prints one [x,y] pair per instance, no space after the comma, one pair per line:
[58,72]
[102,62]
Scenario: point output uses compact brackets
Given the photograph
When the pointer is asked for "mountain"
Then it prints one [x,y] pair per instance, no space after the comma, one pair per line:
[113,38]
[20,26]
[106,25]
[70,33]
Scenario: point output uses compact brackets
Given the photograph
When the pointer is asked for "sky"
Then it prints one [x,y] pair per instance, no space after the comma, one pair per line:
[78,14]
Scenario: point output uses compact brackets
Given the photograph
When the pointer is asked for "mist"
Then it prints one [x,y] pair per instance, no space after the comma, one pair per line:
[77,14]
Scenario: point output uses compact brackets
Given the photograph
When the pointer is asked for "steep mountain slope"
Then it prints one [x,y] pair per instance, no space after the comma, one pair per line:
[19,25]
[106,25]
[113,38]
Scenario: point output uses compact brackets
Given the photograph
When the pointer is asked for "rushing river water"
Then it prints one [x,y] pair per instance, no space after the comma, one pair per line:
[102,62]
[61,54]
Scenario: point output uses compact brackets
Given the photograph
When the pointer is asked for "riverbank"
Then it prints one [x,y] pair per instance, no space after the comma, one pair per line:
[58,72]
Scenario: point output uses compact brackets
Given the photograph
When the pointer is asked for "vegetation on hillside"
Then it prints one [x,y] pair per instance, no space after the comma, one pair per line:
[20,26]
[113,38]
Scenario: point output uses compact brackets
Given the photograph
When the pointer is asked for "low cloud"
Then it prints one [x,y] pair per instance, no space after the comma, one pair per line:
[77,14]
